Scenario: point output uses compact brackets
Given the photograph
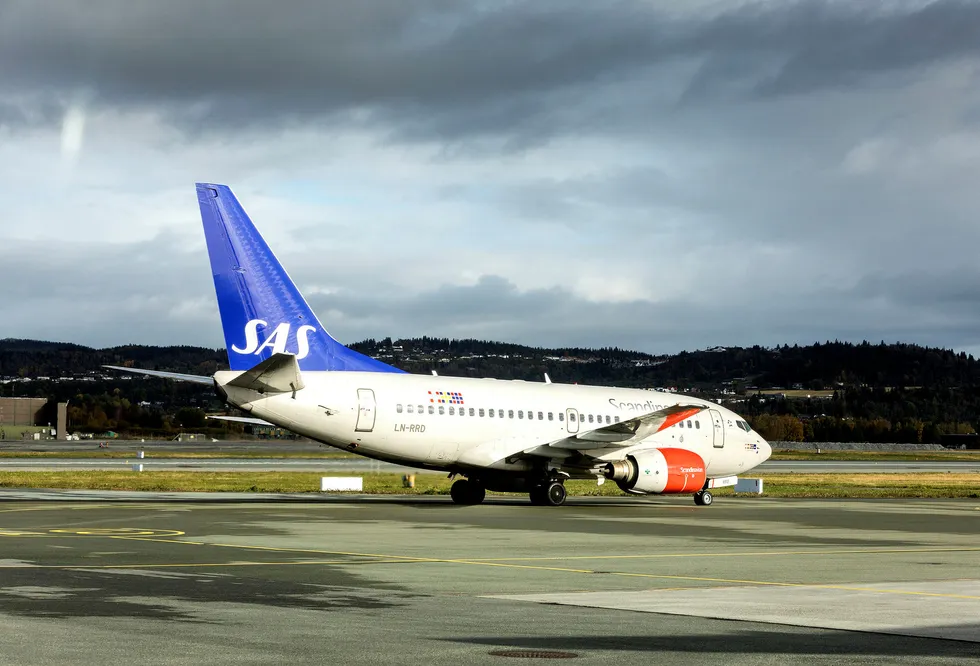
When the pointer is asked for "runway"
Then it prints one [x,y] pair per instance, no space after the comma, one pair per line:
[385,579]
[366,465]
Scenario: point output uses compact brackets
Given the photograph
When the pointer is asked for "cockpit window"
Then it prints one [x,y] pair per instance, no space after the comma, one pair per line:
[744,426]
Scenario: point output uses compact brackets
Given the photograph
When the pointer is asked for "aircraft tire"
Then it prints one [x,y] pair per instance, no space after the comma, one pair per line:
[467,492]
[703,498]
[538,496]
[556,493]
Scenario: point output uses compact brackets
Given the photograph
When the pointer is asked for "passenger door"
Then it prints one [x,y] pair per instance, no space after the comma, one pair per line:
[718,431]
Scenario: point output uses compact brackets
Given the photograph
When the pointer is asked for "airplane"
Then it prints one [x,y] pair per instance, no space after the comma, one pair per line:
[494,435]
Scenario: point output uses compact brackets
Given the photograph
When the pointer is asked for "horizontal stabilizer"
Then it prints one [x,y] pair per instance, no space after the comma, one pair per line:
[197,379]
[277,374]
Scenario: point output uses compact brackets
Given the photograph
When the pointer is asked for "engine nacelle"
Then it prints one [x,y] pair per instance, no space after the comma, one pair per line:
[658,471]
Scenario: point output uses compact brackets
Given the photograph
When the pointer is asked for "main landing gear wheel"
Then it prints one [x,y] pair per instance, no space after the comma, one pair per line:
[556,493]
[552,493]
[703,498]
[465,491]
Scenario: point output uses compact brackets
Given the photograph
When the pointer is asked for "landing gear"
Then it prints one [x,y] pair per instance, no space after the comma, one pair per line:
[703,498]
[550,493]
[465,491]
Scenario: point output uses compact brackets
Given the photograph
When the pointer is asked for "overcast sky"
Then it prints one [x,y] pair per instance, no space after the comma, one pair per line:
[653,175]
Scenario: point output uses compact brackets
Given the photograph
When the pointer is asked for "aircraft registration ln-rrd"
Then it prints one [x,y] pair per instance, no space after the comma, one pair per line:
[508,436]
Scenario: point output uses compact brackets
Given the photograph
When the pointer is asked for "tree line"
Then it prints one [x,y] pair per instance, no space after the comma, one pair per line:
[882,392]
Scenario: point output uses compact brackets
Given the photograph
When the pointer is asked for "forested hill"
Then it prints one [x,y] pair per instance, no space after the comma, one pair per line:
[822,365]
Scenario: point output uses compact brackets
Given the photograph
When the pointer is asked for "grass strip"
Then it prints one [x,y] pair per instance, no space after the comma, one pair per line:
[879,456]
[924,485]
[130,454]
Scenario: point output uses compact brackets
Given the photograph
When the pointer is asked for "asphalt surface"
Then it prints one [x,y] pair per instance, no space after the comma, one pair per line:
[387,580]
[364,465]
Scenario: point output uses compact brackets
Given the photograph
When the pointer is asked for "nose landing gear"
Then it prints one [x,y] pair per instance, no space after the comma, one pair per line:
[703,498]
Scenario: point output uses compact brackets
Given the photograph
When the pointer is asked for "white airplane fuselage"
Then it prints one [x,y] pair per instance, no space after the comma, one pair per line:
[461,424]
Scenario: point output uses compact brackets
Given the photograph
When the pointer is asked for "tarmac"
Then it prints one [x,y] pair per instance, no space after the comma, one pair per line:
[379,580]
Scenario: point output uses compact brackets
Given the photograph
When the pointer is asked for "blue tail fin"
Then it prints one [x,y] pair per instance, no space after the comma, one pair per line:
[262,311]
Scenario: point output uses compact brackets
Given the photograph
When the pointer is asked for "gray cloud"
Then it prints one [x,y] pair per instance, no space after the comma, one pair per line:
[449,68]
[642,174]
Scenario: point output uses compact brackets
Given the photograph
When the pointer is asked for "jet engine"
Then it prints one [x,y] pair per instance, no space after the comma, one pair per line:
[658,471]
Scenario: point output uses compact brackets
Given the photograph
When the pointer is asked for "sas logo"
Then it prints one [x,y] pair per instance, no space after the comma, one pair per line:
[277,341]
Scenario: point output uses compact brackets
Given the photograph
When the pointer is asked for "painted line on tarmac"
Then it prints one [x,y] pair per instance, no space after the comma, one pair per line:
[728,581]
[938,549]
[185,565]
[375,558]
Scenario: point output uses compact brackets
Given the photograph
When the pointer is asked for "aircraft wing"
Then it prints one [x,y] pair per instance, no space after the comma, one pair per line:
[614,435]
[243,419]
[627,433]
[197,379]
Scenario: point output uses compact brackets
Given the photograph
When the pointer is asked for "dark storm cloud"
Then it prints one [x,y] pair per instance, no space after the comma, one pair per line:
[472,65]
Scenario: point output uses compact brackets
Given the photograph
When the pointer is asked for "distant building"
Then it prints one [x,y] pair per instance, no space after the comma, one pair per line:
[23,411]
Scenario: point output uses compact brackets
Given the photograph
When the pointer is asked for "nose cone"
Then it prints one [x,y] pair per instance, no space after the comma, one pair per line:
[764,450]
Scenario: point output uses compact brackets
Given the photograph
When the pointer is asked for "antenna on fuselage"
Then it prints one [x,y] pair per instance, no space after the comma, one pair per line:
[435,374]
[547,379]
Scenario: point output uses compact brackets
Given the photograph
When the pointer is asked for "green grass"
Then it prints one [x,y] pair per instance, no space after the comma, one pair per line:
[130,454]
[879,456]
[776,485]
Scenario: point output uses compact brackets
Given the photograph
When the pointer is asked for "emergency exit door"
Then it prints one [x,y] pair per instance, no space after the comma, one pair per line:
[366,409]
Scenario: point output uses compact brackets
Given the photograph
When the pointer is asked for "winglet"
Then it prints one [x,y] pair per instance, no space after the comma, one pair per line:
[262,311]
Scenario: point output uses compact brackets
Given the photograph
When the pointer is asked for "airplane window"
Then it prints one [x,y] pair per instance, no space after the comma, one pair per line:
[510,413]
[481,411]
[540,416]
[432,409]
[616,419]
[472,412]
[551,416]
[398,408]
[697,424]
[490,413]
[561,417]
[411,408]
[462,411]
[689,425]
[607,418]
[520,413]
[590,418]
[442,410]
[452,410]
[500,412]
[571,417]
[421,409]
[530,414]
